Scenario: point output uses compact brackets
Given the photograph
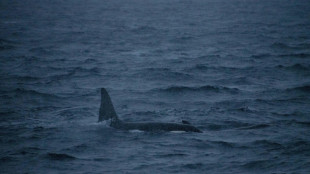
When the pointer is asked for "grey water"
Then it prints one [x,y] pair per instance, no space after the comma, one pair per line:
[237,70]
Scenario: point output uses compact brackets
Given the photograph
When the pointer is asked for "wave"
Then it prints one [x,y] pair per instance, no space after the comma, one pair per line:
[7,159]
[226,125]
[101,159]
[77,148]
[257,164]
[245,109]
[281,45]
[28,150]
[74,72]
[211,56]
[145,113]
[192,165]
[295,67]
[24,77]
[215,127]
[47,72]
[22,91]
[272,101]
[171,155]
[6,44]
[45,50]
[258,56]
[296,113]
[223,144]
[206,67]
[296,147]
[259,126]
[182,39]
[163,73]
[304,45]
[304,88]
[6,47]
[94,70]
[7,112]
[267,144]
[60,156]
[209,69]
[296,55]
[143,29]
[206,88]
[90,60]
[293,121]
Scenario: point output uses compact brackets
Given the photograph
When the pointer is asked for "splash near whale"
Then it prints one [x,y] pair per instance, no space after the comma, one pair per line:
[107,112]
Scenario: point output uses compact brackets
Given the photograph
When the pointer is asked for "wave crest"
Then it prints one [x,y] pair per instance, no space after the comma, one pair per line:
[206,88]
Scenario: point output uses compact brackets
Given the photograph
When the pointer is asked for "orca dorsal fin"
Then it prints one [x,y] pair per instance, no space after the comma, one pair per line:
[106,110]
[185,122]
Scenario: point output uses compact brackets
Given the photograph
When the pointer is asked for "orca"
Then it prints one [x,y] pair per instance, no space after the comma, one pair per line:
[107,112]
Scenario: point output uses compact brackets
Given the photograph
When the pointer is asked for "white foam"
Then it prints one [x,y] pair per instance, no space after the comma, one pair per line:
[136,131]
[177,132]
[105,122]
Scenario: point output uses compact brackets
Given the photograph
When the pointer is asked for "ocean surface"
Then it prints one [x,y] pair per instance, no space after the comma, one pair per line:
[238,70]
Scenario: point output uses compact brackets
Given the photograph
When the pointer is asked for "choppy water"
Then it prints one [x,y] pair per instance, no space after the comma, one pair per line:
[238,70]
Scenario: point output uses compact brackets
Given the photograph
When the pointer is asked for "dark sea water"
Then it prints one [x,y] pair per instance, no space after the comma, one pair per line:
[238,70]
